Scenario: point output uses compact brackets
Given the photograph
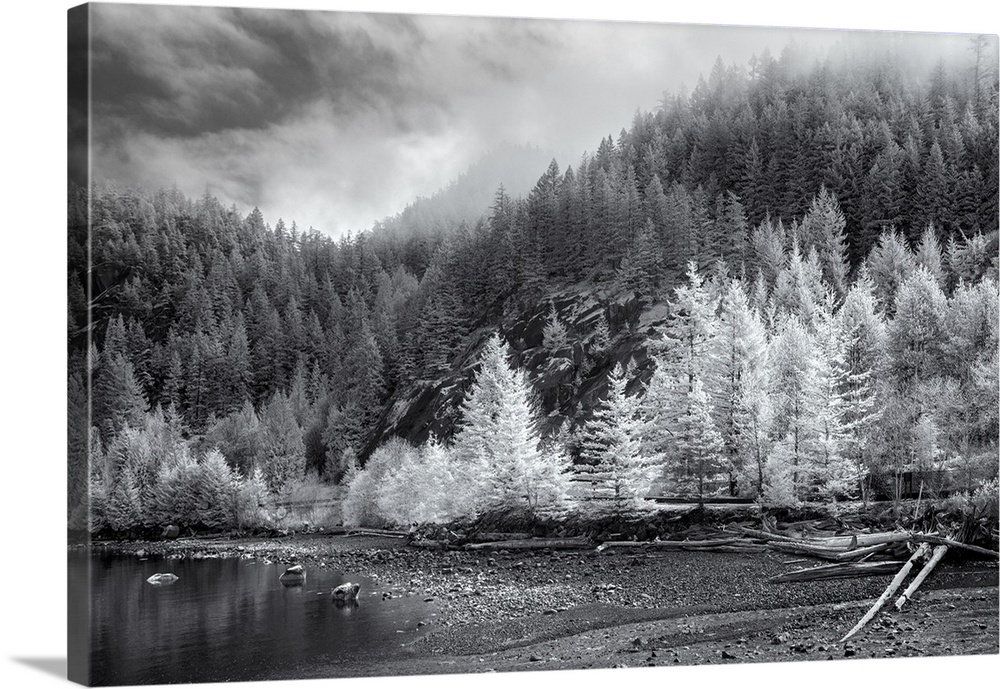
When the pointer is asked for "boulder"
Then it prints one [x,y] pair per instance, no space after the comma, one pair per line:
[346,591]
[293,576]
[172,531]
[162,579]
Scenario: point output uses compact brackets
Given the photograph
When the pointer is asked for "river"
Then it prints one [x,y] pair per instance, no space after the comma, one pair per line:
[231,619]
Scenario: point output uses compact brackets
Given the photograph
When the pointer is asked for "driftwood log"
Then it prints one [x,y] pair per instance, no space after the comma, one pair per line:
[534,544]
[939,552]
[840,570]
[934,539]
[893,586]
[673,545]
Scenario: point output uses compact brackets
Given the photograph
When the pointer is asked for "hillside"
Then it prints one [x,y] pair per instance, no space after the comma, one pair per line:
[769,195]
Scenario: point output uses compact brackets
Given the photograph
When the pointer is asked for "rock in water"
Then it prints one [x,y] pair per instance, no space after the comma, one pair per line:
[160,579]
[293,576]
[346,591]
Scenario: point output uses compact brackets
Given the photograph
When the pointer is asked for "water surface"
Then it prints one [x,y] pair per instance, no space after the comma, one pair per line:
[231,619]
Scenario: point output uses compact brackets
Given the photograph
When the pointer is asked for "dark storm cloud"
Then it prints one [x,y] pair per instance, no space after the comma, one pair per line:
[336,119]
[190,71]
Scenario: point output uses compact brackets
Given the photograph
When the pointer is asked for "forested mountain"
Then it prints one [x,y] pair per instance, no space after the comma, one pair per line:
[782,249]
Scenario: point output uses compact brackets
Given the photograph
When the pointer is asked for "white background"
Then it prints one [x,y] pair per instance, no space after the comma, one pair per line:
[33,317]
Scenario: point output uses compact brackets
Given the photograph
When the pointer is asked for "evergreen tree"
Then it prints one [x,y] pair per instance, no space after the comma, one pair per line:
[699,445]
[612,446]
[554,335]
[499,443]
[284,453]
[917,332]
[888,265]
[118,399]
[864,333]
[794,392]
[824,227]
[737,371]
[929,255]
[641,267]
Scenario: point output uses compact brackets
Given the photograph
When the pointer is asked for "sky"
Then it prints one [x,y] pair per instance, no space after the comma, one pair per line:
[338,119]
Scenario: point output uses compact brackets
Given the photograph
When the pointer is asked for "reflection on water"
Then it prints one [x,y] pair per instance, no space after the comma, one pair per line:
[230,619]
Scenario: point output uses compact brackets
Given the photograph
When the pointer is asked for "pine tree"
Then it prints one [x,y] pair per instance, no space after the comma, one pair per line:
[612,446]
[499,441]
[554,336]
[641,268]
[118,399]
[699,445]
[239,376]
[864,333]
[216,485]
[823,227]
[767,244]
[917,332]
[929,254]
[799,287]
[284,453]
[831,469]
[737,370]
[794,384]
[690,327]
[342,434]
[889,264]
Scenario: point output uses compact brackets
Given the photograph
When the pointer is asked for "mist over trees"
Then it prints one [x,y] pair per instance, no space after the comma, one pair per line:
[821,244]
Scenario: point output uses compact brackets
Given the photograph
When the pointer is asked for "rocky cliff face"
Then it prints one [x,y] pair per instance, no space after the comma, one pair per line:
[569,381]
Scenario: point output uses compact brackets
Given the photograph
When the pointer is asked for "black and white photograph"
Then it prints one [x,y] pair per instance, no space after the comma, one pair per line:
[407,343]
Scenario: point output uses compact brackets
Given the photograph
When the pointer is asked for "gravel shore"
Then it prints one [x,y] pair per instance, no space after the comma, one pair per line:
[501,610]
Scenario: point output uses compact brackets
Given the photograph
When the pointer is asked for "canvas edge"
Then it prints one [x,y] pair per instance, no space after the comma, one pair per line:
[78,629]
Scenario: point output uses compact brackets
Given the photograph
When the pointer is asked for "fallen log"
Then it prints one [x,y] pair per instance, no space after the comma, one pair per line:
[751,548]
[672,545]
[534,544]
[385,533]
[941,540]
[840,570]
[896,582]
[939,552]
[766,535]
[486,537]
[804,549]
[430,544]
[834,542]
[863,540]
[859,553]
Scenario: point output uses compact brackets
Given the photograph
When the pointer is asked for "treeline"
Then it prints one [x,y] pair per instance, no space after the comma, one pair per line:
[284,347]
[783,388]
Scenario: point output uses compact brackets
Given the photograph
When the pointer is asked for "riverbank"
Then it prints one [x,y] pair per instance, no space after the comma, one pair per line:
[533,610]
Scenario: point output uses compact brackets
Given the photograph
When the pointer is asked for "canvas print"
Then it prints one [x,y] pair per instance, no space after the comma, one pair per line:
[410,344]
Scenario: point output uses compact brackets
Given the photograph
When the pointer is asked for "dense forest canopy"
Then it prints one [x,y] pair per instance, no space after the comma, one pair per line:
[830,230]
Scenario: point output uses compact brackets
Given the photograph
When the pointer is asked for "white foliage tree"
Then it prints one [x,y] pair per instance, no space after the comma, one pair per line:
[793,391]
[699,444]
[737,372]
[864,334]
[499,440]
[831,468]
[612,443]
